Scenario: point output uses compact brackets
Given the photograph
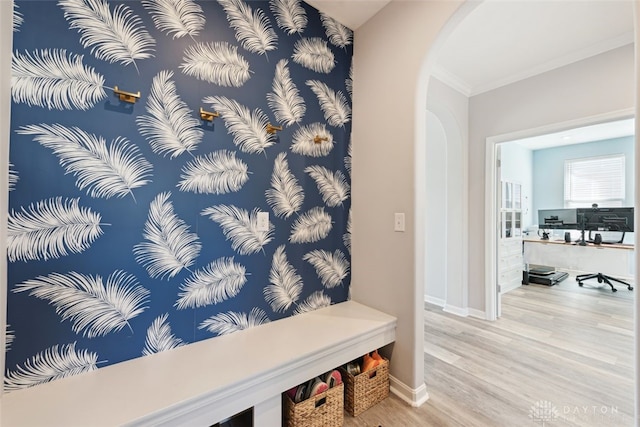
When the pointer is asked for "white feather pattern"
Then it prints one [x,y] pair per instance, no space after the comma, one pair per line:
[9,337]
[176,17]
[338,34]
[285,284]
[290,15]
[305,137]
[112,37]
[253,29]
[349,82]
[170,126]
[331,268]
[17,18]
[346,237]
[249,129]
[285,195]
[112,171]
[49,365]
[13,177]
[50,78]
[312,226]
[334,105]
[333,186]
[159,337]
[218,63]
[220,280]
[240,227]
[285,100]
[349,157]
[230,322]
[313,302]
[170,246]
[314,54]
[51,229]
[93,307]
[215,173]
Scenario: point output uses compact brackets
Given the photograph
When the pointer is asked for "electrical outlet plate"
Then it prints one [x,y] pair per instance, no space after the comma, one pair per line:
[263,221]
[398,222]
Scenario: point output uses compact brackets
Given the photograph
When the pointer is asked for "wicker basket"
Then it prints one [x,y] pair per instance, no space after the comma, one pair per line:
[364,390]
[323,410]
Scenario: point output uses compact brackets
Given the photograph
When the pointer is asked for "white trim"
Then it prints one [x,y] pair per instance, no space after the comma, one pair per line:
[413,396]
[509,287]
[478,314]
[458,311]
[440,302]
[587,52]
[451,80]
[490,248]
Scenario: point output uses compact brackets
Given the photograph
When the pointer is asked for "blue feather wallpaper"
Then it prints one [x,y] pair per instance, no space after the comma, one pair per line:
[179,170]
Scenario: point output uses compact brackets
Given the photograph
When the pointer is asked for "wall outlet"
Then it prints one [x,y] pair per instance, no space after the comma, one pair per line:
[263,221]
[398,221]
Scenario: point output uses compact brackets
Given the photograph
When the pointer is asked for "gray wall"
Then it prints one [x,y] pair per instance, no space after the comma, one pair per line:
[592,87]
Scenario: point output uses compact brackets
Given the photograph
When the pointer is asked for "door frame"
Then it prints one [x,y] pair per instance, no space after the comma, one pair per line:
[492,181]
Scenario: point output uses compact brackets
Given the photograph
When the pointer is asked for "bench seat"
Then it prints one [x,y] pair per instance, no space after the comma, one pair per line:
[210,380]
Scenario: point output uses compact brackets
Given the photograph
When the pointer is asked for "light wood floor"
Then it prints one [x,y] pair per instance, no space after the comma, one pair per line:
[561,354]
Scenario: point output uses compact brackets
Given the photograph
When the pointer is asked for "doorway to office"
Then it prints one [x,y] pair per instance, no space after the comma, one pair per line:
[513,161]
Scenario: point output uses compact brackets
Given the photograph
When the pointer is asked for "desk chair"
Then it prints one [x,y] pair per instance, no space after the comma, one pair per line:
[602,278]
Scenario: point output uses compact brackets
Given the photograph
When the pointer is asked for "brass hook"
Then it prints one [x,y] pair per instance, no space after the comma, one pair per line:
[208,115]
[318,139]
[123,96]
[273,129]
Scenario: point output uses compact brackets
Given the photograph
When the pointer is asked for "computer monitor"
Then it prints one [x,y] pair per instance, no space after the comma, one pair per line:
[606,219]
[558,218]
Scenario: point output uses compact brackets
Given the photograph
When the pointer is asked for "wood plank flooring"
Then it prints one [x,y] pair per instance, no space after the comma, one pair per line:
[558,356]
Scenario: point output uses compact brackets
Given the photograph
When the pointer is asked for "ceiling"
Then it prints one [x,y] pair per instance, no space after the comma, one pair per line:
[527,37]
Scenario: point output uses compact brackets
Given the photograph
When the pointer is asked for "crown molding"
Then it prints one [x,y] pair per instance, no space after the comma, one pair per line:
[451,80]
[578,55]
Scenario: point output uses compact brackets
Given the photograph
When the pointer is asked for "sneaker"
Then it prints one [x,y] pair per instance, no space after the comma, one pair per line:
[332,378]
[316,387]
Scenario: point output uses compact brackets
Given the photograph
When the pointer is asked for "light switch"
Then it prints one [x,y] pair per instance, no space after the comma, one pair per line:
[398,224]
[263,221]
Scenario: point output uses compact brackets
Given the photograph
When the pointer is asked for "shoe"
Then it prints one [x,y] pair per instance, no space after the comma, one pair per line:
[369,363]
[301,392]
[332,378]
[353,368]
[315,387]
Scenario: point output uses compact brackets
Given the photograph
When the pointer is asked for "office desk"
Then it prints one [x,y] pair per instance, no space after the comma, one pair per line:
[613,260]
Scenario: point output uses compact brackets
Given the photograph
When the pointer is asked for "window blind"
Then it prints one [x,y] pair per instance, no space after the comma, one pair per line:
[594,180]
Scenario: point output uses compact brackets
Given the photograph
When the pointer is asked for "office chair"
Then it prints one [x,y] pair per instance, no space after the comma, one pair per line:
[602,278]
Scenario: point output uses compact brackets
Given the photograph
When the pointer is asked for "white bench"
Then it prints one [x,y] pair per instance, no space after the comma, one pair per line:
[208,381]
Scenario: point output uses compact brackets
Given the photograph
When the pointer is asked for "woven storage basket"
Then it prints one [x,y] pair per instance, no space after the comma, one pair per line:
[323,410]
[364,390]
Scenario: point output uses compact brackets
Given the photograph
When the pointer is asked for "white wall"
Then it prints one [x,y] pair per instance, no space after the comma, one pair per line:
[389,104]
[451,108]
[435,286]
[592,87]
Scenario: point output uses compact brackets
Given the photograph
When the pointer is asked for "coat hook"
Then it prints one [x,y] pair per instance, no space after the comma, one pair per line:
[318,139]
[123,96]
[208,115]
[273,129]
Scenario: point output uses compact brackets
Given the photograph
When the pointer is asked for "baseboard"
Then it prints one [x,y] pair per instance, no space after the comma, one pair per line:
[477,313]
[458,311]
[435,301]
[414,397]
[506,289]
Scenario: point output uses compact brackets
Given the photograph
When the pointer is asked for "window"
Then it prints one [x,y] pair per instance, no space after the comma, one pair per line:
[594,180]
